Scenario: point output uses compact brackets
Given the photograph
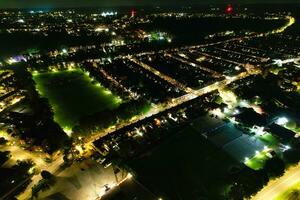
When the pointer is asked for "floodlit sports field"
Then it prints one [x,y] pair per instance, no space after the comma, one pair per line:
[72,95]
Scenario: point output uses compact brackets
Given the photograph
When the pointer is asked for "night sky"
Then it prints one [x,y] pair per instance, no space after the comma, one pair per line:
[100,3]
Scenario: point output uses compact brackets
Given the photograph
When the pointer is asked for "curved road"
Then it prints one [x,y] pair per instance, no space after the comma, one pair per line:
[279,185]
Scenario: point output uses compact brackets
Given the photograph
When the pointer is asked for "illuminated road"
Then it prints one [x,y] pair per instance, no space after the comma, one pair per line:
[183,60]
[53,168]
[280,62]
[290,21]
[170,104]
[162,76]
[110,78]
[222,59]
[279,185]
[262,59]
[18,153]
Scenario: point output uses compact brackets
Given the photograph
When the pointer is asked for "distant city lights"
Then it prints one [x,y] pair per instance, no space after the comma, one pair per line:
[21,21]
[101,29]
[105,14]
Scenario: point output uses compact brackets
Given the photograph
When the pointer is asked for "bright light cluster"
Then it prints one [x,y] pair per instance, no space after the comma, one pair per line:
[282,121]
[104,14]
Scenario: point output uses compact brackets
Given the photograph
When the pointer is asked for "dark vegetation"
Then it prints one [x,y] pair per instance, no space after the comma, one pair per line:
[36,128]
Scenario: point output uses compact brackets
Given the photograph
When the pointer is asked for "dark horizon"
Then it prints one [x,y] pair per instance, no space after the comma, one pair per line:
[123,3]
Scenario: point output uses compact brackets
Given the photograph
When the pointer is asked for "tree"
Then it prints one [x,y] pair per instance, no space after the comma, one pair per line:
[294,195]
[246,183]
[2,141]
[236,192]
[44,184]
[292,156]
[46,175]
[4,156]
[274,167]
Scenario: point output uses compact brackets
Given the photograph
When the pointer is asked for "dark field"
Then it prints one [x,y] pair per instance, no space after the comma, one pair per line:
[185,167]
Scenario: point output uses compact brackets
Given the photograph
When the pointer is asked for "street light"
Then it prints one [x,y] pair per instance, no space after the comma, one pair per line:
[129,175]
[258,130]
[286,147]
[282,121]
[64,51]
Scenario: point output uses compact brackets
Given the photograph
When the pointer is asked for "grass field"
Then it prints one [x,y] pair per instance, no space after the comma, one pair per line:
[73,94]
[293,193]
[185,167]
[258,161]
[269,140]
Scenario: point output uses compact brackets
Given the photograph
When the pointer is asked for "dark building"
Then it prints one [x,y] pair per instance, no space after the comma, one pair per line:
[282,133]
[249,117]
